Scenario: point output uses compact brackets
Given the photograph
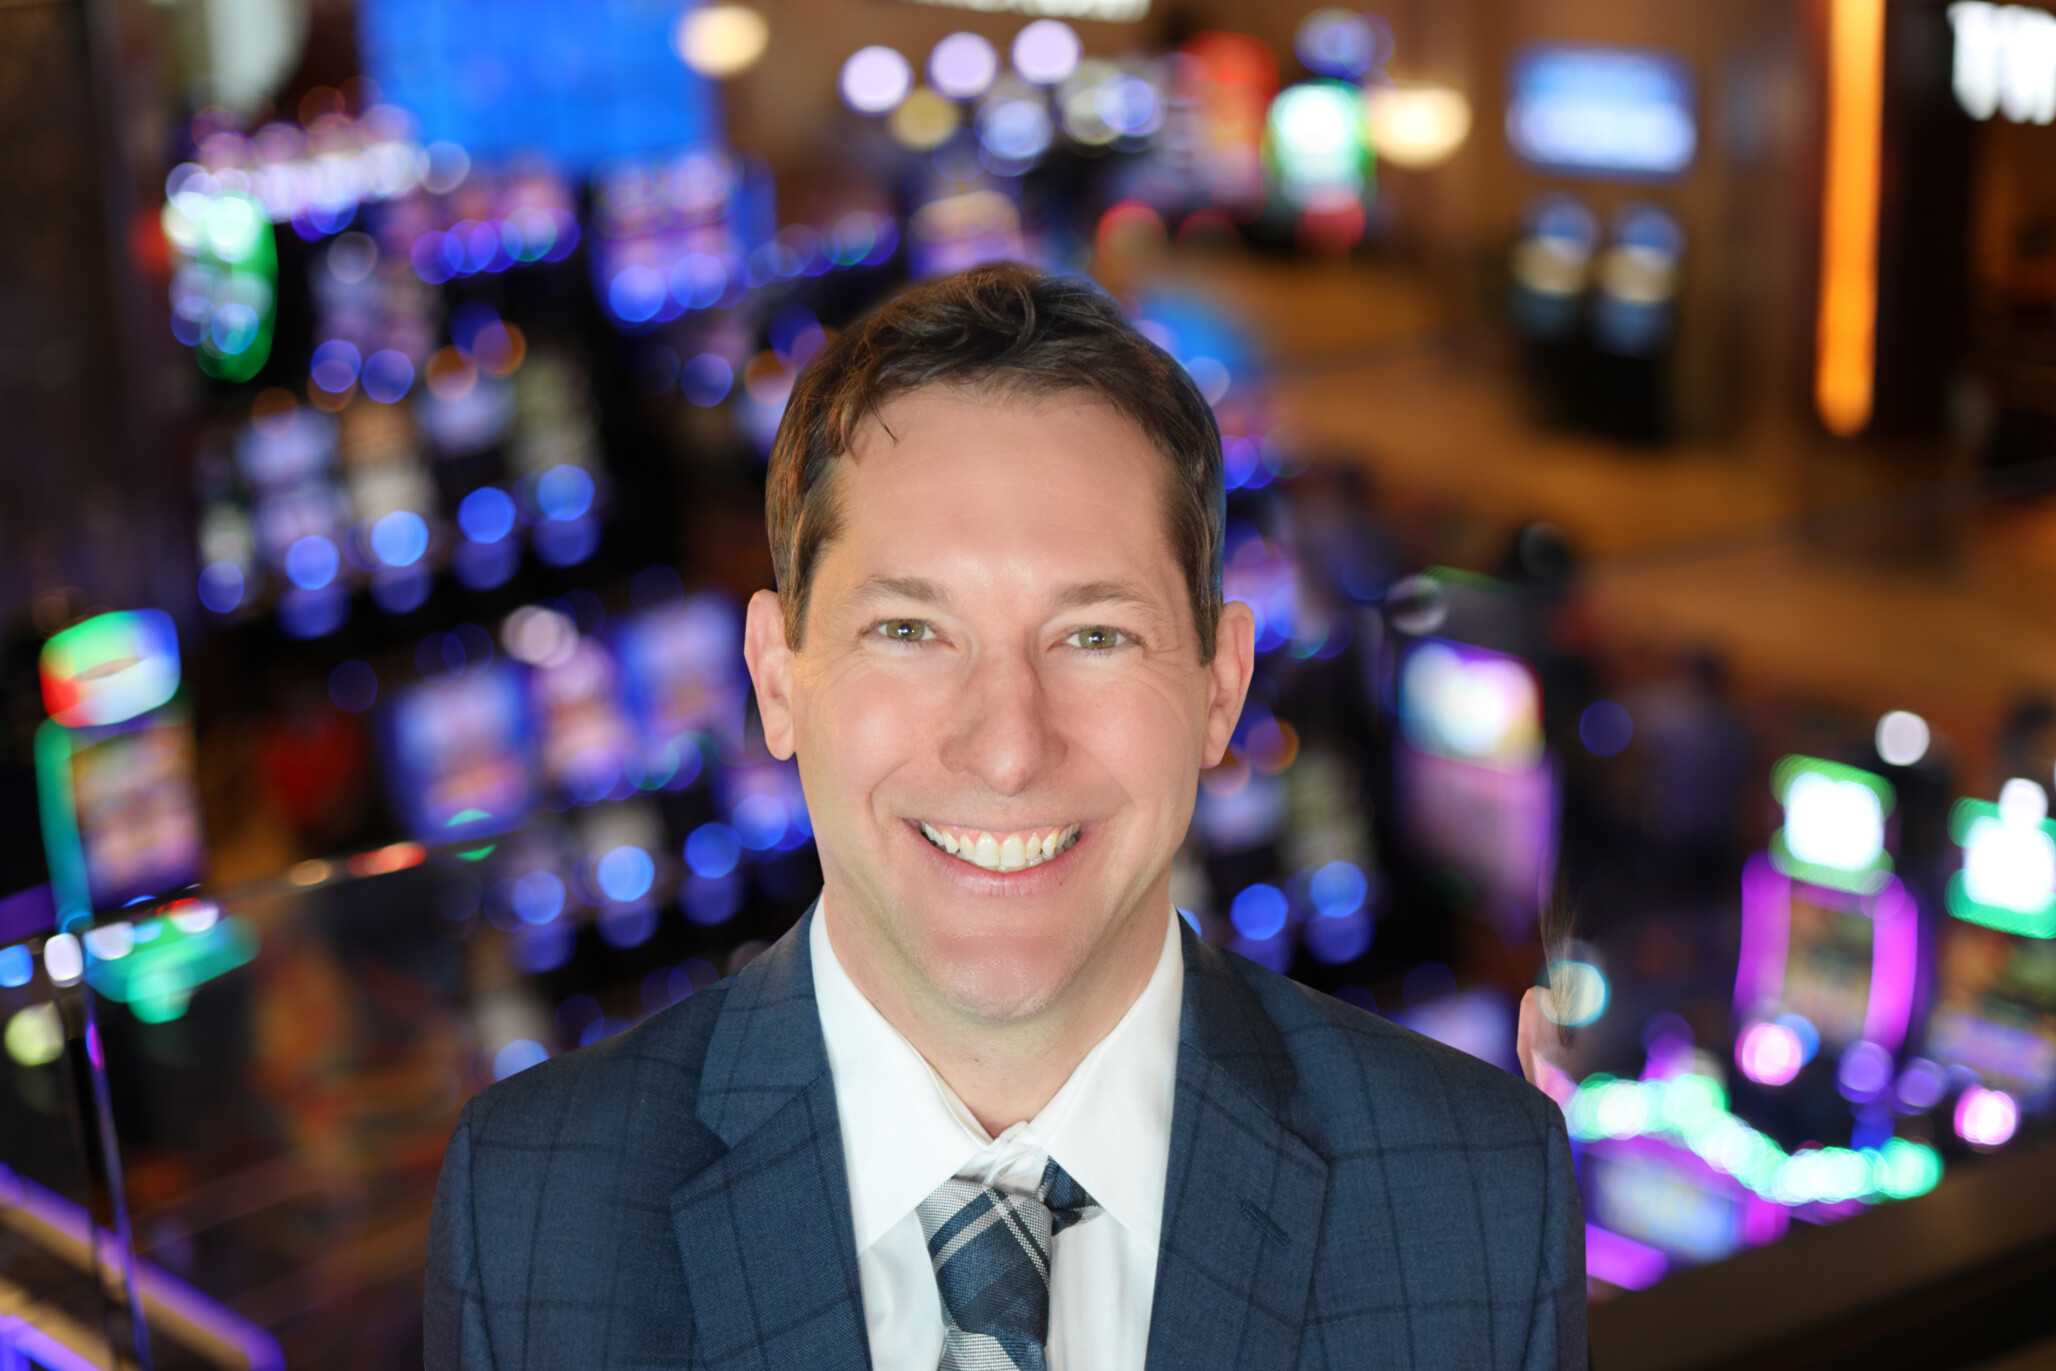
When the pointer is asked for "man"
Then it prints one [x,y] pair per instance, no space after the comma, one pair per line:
[990,1103]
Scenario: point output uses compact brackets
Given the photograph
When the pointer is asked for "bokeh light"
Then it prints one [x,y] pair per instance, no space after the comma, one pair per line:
[875,79]
[1046,51]
[962,66]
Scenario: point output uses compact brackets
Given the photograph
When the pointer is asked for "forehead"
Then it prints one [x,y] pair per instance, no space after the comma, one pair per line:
[948,482]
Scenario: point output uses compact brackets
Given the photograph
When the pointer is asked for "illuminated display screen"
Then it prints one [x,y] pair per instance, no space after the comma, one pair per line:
[579,84]
[586,741]
[1834,829]
[1471,704]
[1601,111]
[458,754]
[678,673]
[1995,1010]
[1829,954]
[1821,966]
[132,799]
[1496,827]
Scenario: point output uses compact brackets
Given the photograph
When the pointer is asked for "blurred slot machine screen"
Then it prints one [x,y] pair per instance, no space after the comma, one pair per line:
[458,754]
[1995,1010]
[1830,948]
[586,741]
[1834,964]
[136,806]
[678,667]
[1474,782]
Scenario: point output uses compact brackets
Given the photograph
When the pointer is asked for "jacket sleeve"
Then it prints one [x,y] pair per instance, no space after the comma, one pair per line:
[454,1331]
[1556,1328]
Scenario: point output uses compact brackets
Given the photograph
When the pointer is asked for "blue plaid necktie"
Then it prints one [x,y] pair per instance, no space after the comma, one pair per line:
[991,1251]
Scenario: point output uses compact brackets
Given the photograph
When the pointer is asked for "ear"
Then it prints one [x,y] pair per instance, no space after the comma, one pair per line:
[1228,677]
[770,661]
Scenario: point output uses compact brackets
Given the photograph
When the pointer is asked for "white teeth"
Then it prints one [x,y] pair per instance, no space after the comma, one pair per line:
[1015,853]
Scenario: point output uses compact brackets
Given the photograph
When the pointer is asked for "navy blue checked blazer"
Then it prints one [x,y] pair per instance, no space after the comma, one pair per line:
[1343,1193]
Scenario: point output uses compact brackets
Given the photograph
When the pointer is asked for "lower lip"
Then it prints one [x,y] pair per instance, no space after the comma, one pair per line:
[1039,879]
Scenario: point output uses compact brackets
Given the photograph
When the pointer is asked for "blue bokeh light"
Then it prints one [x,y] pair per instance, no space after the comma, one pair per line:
[625,874]
[759,822]
[1338,889]
[537,896]
[706,380]
[712,850]
[400,538]
[335,365]
[1259,912]
[486,515]
[17,965]
[312,562]
[636,294]
[221,586]
[388,376]
[517,1056]
[564,492]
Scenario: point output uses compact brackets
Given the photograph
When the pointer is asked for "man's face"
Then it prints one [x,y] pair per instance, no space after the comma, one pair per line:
[999,641]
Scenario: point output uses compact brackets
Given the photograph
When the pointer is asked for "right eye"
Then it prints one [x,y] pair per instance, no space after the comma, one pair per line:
[905,632]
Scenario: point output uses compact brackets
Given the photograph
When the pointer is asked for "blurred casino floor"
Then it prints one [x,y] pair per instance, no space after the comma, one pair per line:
[1878,600]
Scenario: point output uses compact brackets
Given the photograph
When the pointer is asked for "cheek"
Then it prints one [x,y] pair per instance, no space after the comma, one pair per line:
[1145,741]
[860,729]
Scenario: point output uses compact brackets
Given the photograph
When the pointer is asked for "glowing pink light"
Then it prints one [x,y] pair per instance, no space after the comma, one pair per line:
[1770,1053]
[1895,960]
[1622,1261]
[1986,1118]
[1766,914]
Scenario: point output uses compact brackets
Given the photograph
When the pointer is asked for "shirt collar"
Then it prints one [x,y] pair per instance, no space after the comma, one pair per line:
[904,1131]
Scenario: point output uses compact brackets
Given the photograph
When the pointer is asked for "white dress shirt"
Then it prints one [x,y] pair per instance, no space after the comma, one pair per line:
[904,1132]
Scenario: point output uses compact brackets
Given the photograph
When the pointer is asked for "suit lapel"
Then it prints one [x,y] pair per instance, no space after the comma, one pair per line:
[765,1232]
[1245,1193]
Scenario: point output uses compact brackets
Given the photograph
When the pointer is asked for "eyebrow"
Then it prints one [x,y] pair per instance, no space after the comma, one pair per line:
[1077,595]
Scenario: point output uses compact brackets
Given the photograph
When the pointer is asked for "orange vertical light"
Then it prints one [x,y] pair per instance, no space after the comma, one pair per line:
[1845,364]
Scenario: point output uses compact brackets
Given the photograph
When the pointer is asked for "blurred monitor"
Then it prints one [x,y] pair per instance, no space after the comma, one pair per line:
[123,813]
[1477,791]
[578,85]
[1601,111]
[1995,1010]
[587,744]
[1830,945]
[679,676]
[458,754]
[1820,968]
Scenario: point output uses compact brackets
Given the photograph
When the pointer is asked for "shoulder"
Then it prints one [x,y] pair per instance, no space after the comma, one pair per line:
[645,1078]
[1347,1070]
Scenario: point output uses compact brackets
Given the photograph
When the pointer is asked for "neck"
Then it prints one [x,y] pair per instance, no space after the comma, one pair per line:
[1005,1071]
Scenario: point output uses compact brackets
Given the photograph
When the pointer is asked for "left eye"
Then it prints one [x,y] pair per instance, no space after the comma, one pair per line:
[1104,634]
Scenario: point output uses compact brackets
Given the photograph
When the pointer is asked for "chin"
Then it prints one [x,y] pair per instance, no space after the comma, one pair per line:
[998,985]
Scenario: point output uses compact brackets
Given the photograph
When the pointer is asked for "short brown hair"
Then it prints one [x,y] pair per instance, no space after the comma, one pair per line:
[1011,330]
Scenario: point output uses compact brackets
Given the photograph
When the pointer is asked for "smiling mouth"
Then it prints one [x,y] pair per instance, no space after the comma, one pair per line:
[1014,851]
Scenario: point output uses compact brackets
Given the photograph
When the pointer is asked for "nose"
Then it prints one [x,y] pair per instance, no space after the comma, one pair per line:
[1003,730]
